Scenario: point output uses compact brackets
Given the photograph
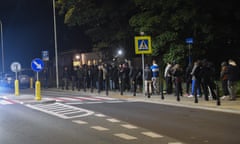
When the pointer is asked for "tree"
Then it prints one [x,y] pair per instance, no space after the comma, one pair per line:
[105,21]
[212,24]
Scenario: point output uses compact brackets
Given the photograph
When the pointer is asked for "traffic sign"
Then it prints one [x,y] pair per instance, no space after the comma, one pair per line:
[15,67]
[37,64]
[189,40]
[45,56]
[143,45]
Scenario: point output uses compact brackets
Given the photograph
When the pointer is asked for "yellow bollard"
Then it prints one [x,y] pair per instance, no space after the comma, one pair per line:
[38,90]
[31,83]
[16,84]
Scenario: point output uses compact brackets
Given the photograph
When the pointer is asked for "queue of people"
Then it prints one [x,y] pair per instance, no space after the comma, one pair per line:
[199,77]
[102,77]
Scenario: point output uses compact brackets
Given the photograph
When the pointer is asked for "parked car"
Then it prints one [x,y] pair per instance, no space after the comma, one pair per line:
[8,80]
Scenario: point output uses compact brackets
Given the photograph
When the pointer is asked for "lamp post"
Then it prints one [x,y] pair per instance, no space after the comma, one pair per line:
[3,69]
[55,43]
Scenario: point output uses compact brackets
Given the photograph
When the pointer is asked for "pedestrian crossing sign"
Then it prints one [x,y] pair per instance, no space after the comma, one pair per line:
[143,45]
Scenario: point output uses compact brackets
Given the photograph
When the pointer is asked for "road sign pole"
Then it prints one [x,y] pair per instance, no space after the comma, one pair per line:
[143,73]
[37,65]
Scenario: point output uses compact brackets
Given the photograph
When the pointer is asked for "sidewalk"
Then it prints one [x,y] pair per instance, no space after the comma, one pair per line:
[225,105]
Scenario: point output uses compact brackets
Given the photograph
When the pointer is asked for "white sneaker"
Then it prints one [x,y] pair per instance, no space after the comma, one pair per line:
[190,96]
[223,97]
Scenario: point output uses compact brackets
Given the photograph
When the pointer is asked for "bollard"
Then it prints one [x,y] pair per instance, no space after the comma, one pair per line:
[217,95]
[162,96]
[38,90]
[134,88]
[106,87]
[16,84]
[31,83]
[121,87]
[196,98]
[148,93]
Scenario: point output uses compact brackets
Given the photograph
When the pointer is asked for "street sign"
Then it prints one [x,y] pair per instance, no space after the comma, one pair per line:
[15,67]
[45,56]
[37,64]
[189,40]
[143,45]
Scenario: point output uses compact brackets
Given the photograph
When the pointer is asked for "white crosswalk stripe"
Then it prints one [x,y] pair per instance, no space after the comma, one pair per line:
[73,100]
[6,101]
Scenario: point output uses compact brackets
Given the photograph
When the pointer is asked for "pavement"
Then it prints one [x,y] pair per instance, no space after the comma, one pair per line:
[225,105]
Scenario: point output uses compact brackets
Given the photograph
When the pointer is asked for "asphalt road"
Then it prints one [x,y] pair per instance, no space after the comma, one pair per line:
[114,121]
[22,125]
[187,125]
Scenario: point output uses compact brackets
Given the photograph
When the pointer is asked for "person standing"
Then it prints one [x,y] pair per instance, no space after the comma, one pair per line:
[100,78]
[207,80]
[178,76]
[148,81]
[188,79]
[233,73]
[79,78]
[224,79]
[155,77]
[168,78]
[65,78]
[196,79]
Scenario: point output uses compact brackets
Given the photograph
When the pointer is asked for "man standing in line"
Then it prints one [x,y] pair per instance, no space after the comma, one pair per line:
[233,77]
[155,77]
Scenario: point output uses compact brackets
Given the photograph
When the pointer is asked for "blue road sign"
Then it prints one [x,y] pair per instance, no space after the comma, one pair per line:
[45,56]
[37,64]
[189,40]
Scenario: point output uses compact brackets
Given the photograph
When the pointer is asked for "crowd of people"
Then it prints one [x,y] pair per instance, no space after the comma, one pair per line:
[102,77]
[199,77]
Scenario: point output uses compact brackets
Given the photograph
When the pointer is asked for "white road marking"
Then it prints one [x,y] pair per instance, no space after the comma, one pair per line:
[57,109]
[106,98]
[80,122]
[129,126]
[113,120]
[152,134]
[4,102]
[100,128]
[75,103]
[100,115]
[125,136]
[117,101]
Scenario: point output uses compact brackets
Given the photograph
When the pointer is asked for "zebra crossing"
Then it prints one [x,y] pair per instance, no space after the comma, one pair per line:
[73,100]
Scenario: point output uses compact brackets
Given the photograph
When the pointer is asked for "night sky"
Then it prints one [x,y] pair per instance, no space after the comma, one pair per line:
[28,30]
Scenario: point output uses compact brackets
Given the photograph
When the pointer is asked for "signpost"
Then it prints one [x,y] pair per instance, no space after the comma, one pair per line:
[37,66]
[189,41]
[16,67]
[143,45]
[45,56]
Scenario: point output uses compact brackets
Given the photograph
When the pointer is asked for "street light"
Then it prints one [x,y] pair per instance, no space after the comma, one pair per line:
[2,47]
[120,52]
[55,43]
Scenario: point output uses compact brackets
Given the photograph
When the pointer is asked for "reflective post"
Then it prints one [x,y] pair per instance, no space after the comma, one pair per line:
[31,83]
[38,89]
[16,84]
